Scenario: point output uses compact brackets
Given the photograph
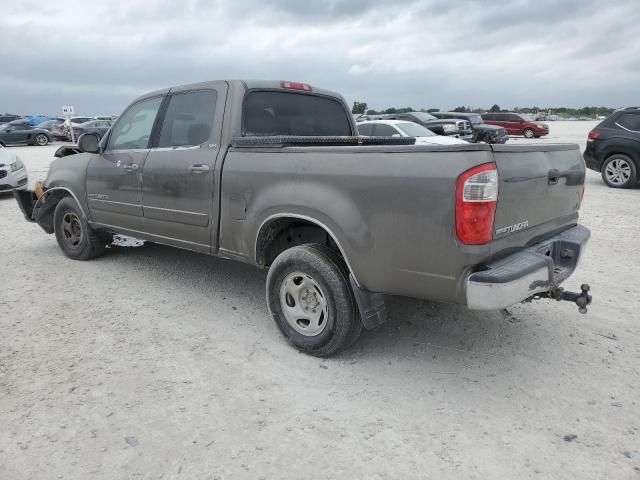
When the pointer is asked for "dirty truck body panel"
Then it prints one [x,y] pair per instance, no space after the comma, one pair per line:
[390,210]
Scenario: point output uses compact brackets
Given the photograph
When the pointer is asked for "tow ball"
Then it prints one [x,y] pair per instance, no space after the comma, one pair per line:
[581,299]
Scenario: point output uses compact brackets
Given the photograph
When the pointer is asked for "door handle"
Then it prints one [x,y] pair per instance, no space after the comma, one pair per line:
[131,167]
[199,168]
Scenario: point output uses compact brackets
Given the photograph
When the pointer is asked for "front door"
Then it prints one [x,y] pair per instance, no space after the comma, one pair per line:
[114,177]
[178,175]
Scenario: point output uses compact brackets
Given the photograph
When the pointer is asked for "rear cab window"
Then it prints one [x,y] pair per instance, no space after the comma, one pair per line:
[269,112]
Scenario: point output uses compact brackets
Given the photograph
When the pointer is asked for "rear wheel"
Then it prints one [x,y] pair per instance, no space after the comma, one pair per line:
[41,139]
[311,301]
[619,171]
[528,133]
[74,235]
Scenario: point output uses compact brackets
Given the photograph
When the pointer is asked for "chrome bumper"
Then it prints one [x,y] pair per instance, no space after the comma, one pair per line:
[529,272]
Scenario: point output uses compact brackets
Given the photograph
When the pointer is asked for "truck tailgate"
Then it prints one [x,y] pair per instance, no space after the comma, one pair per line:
[539,184]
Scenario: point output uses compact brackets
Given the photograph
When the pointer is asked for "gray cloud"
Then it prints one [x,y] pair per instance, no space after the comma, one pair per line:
[441,53]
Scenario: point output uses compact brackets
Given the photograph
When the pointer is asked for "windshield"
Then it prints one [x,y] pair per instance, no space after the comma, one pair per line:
[475,119]
[423,116]
[415,130]
[526,118]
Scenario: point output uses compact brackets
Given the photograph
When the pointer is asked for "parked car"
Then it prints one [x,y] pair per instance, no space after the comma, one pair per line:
[99,127]
[274,174]
[48,124]
[33,121]
[613,148]
[441,126]
[400,128]
[16,133]
[481,131]
[517,124]
[13,173]
[61,131]
[9,118]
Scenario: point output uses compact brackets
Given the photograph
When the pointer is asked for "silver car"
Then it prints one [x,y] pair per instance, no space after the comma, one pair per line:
[13,174]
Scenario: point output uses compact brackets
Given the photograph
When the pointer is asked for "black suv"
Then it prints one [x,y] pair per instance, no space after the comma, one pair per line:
[613,148]
[439,126]
[482,132]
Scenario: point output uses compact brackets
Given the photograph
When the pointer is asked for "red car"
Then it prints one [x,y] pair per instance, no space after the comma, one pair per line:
[517,124]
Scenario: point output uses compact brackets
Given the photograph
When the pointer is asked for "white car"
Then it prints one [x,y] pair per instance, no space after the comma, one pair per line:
[13,173]
[402,128]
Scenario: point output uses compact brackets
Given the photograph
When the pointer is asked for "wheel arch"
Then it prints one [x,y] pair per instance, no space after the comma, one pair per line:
[282,231]
[634,156]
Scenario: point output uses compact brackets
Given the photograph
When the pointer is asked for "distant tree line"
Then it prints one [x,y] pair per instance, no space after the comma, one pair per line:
[361,108]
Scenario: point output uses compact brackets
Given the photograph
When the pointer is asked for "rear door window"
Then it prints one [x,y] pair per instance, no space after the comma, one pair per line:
[365,130]
[286,113]
[382,130]
[629,121]
[189,119]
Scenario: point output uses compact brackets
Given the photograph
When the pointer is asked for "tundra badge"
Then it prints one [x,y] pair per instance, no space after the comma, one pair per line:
[516,227]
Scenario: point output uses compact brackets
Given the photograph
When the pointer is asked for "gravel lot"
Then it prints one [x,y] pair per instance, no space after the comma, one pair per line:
[155,362]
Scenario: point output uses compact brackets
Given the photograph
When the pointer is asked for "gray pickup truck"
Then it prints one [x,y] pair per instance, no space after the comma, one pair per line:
[273,174]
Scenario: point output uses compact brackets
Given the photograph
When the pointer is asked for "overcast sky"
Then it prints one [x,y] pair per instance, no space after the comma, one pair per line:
[98,56]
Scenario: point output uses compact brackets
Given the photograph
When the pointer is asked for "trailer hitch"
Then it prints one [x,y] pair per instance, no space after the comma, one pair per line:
[581,299]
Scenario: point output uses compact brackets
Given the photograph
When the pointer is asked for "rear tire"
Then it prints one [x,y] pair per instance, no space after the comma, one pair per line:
[311,301]
[619,171]
[528,133]
[74,235]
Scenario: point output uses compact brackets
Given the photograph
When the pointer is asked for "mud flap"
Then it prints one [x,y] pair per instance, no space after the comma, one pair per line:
[371,306]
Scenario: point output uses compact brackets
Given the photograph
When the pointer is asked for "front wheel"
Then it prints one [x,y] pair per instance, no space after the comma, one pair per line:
[74,235]
[528,133]
[41,140]
[311,301]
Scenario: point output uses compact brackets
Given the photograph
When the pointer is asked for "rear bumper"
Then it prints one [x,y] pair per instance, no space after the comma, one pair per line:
[592,159]
[528,272]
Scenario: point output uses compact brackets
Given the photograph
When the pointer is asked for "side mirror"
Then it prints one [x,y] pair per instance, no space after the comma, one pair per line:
[88,142]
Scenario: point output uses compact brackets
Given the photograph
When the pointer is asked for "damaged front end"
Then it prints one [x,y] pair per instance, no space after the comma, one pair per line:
[38,206]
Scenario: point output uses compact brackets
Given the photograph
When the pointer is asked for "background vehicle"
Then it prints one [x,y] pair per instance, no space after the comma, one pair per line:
[400,128]
[481,131]
[48,124]
[440,126]
[16,133]
[517,124]
[8,118]
[13,173]
[99,127]
[273,174]
[61,131]
[613,148]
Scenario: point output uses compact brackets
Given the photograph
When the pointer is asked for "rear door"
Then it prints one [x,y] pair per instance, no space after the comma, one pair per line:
[113,177]
[540,188]
[177,180]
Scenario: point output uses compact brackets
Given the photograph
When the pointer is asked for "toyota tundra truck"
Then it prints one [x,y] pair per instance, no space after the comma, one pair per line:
[273,174]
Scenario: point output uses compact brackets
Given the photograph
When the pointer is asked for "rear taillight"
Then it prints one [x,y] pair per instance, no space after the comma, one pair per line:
[476,199]
[594,135]
[295,86]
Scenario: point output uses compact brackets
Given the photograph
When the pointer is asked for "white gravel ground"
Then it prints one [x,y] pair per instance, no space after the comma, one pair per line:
[160,363]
